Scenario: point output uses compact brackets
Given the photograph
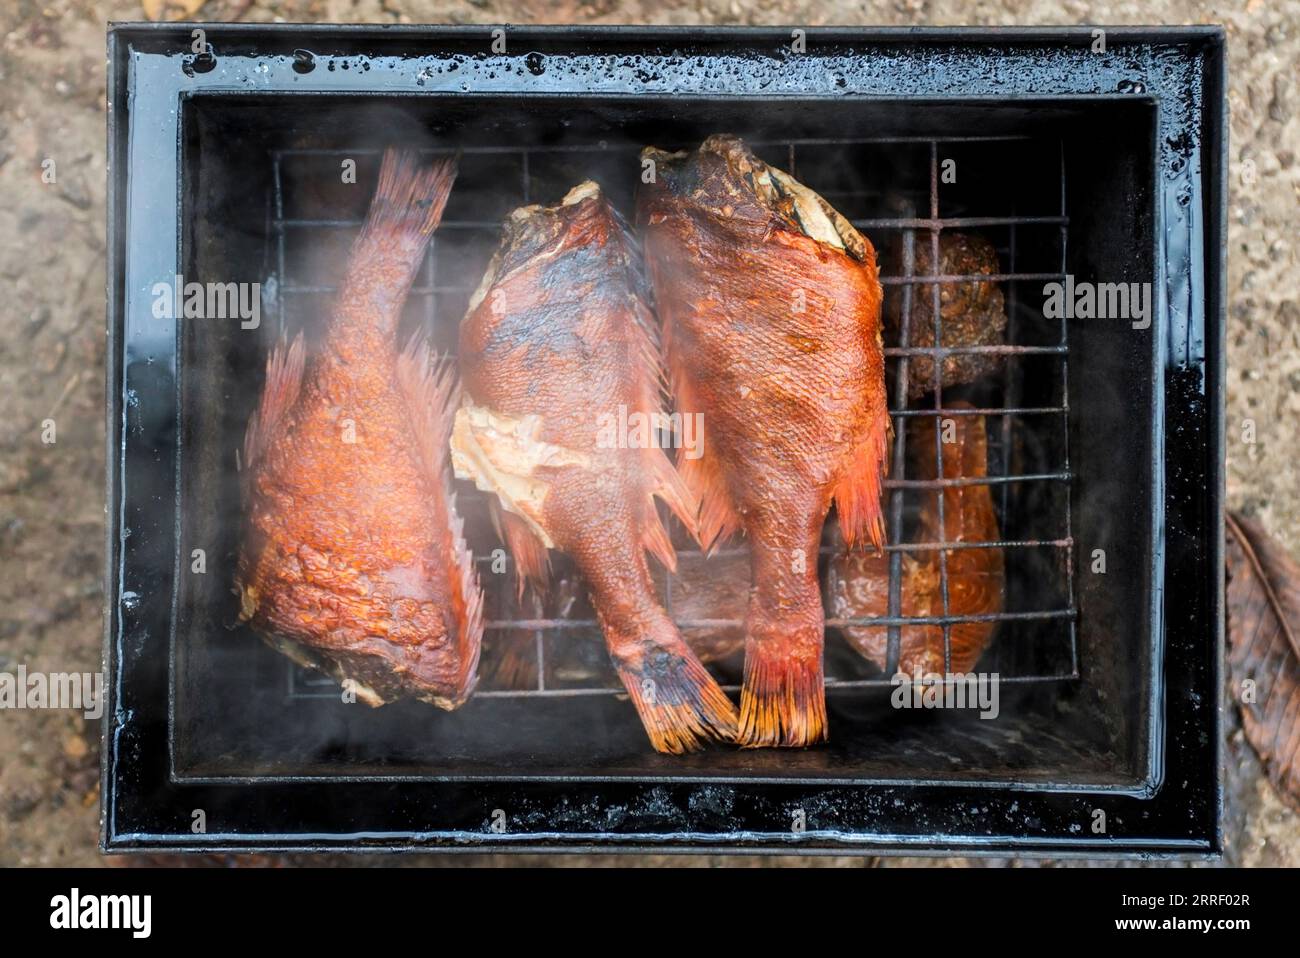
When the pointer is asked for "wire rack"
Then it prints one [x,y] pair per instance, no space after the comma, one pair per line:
[518,175]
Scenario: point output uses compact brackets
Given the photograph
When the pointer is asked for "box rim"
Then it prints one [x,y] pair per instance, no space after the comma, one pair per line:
[1213,119]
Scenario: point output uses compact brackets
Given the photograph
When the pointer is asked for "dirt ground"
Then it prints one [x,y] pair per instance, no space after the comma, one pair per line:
[52,344]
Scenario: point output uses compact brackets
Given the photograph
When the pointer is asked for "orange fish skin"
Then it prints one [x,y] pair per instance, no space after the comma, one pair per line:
[353,559]
[775,337]
[560,332]
[858,584]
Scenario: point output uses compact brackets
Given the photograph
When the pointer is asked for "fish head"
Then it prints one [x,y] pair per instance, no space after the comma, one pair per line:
[725,183]
[532,233]
[540,301]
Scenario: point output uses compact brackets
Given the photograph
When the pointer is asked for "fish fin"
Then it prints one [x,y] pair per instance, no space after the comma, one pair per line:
[652,385]
[283,385]
[635,262]
[668,485]
[716,517]
[532,560]
[467,605]
[410,197]
[432,395]
[680,704]
[857,494]
[648,358]
[673,490]
[782,698]
[655,538]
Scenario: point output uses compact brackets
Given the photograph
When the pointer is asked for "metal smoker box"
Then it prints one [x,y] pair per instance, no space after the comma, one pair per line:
[1079,161]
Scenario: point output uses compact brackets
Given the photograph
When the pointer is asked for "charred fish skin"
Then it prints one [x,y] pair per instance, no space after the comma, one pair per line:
[770,303]
[353,559]
[971,312]
[557,340]
[857,585]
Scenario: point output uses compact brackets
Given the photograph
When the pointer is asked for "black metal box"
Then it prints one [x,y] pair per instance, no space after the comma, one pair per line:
[1096,155]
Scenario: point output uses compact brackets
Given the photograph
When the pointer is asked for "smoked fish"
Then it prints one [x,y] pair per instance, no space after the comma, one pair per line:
[353,559]
[857,584]
[771,311]
[557,345]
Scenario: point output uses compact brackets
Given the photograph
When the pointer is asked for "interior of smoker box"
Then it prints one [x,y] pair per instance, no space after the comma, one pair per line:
[1056,187]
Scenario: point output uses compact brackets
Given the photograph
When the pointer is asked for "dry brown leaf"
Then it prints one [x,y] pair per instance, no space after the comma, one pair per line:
[171,9]
[1264,649]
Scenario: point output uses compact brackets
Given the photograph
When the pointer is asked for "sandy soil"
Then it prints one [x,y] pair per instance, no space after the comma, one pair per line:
[52,342]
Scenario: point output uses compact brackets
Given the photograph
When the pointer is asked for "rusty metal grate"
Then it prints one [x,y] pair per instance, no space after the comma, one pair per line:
[442,295]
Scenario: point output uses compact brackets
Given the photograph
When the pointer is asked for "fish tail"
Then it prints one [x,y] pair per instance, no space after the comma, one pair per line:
[387,253]
[410,197]
[680,704]
[783,699]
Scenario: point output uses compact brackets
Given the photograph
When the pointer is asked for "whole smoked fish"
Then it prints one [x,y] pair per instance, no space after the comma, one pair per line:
[557,343]
[353,559]
[771,309]
[857,584]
